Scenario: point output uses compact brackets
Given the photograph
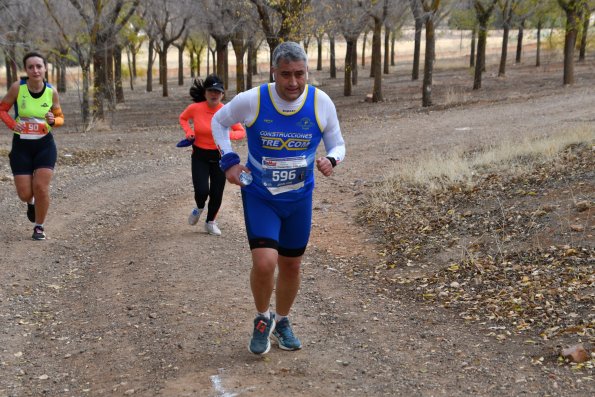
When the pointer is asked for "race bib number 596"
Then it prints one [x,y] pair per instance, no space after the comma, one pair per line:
[285,171]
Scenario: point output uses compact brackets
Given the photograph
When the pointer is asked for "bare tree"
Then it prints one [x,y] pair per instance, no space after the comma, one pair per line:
[378,11]
[573,10]
[351,20]
[546,13]
[281,20]
[397,16]
[103,21]
[228,22]
[19,32]
[167,22]
[586,20]
[431,12]
[507,8]
[483,10]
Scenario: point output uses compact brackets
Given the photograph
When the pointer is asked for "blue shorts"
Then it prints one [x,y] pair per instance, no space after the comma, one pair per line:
[27,155]
[284,226]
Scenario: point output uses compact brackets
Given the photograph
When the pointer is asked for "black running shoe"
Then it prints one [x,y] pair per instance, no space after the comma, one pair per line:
[38,233]
[31,212]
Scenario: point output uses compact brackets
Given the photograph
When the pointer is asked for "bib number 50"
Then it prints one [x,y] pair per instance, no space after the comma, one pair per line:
[283,176]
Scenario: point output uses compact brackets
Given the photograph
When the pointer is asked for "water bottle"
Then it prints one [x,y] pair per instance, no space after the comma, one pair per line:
[245,178]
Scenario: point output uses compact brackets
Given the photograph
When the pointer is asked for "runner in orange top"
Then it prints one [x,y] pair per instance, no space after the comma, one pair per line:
[207,96]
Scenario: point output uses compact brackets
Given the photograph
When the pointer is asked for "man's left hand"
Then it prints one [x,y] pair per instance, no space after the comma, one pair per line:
[325,166]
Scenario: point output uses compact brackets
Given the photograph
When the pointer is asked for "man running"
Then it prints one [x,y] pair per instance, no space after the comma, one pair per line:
[285,122]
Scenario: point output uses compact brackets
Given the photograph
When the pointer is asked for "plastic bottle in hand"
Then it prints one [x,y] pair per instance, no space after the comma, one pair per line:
[245,178]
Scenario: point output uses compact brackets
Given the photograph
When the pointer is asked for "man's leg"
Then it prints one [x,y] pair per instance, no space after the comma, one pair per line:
[262,277]
[264,262]
[288,283]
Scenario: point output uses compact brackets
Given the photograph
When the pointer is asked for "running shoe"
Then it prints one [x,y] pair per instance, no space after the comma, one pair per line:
[260,342]
[31,212]
[194,215]
[38,233]
[212,228]
[283,335]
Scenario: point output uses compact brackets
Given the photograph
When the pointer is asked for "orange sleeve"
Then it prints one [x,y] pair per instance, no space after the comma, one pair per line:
[5,117]
[58,117]
[237,132]
[184,117]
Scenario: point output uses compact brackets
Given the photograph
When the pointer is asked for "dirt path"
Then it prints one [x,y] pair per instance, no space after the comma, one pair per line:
[125,298]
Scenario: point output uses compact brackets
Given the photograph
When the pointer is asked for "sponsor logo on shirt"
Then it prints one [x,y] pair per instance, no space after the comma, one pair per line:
[285,140]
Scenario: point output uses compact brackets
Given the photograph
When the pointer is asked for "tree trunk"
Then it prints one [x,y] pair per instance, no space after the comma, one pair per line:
[150,68]
[333,66]
[163,71]
[221,49]
[85,107]
[480,61]
[392,47]
[254,64]
[583,45]
[354,67]
[192,64]
[519,44]
[348,67]
[128,58]
[504,53]
[99,81]
[569,43]
[8,73]
[472,56]
[364,49]
[429,63]
[110,85]
[133,71]
[319,52]
[376,68]
[181,65]
[118,74]
[249,66]
[62,77]
[386,49]
[61,64]
[11,66]
[538,50]
[417,49]
[239,49]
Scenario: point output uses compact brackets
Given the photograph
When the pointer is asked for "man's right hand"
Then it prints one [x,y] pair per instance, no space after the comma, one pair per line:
[233,174]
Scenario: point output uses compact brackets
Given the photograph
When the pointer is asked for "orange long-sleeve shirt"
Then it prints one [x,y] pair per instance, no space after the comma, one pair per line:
[201,114]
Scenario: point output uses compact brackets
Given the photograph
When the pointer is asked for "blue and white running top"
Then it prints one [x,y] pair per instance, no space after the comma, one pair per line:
[282,138]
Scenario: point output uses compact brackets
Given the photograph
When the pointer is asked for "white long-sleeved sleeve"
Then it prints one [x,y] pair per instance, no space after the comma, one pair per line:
[331,130]
[241,109]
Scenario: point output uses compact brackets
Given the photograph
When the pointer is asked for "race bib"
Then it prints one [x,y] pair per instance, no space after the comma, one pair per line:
[34,128]
[284,174]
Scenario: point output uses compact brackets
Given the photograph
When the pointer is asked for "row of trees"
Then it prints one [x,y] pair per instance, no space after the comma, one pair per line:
[95,34]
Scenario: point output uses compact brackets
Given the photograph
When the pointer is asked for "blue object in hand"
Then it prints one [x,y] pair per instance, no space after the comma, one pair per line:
[185,142]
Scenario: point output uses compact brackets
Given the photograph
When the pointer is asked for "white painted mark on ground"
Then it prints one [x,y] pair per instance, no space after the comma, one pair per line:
[218,386]
[463,129]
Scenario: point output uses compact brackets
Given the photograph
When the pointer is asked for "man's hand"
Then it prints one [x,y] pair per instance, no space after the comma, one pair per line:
[325,166]
[233,174]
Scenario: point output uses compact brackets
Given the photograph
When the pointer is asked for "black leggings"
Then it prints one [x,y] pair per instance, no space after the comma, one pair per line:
[205,166]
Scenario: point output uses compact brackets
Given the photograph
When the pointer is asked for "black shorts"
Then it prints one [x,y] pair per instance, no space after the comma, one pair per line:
[27,155]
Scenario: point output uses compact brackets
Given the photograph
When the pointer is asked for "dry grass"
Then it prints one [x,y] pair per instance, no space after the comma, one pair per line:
[441,171]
